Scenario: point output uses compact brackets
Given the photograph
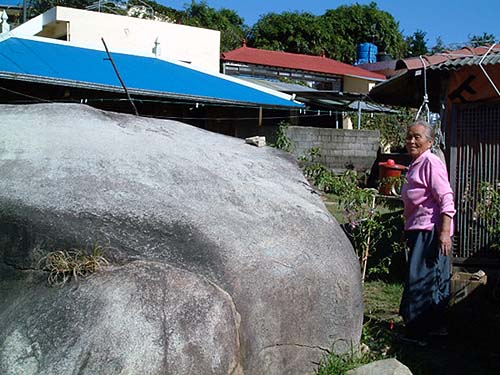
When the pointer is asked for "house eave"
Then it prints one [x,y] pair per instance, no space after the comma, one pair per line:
[134,91]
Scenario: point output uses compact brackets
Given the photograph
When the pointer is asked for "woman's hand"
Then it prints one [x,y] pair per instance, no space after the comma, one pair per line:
[445,243]
[445,236]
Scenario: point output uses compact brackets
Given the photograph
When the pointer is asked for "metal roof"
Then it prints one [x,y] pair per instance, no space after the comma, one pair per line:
[57,63]
[406,88]
[277,85]
[413,63]
[392,68]
[366,106]
[322,98]
[490,59]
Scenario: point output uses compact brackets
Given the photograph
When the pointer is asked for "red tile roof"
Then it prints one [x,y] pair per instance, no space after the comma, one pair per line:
[288,60]
[415,62]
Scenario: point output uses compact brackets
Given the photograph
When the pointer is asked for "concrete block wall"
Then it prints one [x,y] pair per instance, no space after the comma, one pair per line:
[341,149]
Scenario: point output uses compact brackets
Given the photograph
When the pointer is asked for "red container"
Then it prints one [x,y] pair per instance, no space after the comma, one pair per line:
[389,169]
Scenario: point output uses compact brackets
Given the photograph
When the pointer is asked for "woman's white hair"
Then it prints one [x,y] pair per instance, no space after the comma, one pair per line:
[430,133]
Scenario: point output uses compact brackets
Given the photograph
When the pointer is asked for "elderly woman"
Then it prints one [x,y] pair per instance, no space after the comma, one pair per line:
[428,213]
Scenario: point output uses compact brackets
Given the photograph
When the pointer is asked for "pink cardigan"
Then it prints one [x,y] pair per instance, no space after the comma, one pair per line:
[427,193]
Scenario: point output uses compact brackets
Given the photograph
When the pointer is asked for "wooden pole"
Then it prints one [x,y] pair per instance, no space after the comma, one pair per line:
[110,58]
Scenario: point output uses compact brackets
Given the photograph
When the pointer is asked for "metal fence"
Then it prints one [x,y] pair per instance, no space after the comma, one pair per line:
[474,158]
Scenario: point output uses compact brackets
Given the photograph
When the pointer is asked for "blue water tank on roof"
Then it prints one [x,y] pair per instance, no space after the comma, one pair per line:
[366,53]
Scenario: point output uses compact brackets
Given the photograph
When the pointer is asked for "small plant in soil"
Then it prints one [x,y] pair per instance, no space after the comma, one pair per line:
[63,265]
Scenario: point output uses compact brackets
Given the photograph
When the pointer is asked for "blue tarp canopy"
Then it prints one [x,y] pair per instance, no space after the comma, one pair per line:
[10,3]
[59,64]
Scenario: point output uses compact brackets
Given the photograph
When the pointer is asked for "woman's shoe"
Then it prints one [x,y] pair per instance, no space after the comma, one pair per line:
[440,331]
[412,340]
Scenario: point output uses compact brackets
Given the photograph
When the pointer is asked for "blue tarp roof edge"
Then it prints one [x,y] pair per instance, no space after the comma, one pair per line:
[41,61]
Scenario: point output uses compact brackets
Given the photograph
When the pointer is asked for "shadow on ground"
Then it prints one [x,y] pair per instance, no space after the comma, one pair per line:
[472,346]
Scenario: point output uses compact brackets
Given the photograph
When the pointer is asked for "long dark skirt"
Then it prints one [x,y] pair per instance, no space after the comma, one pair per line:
[427,286]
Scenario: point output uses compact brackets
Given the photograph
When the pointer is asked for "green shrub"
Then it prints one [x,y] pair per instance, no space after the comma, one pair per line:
[488,209]
[283,142]
[392,126]
[323,178]
[359,207]
[484,205]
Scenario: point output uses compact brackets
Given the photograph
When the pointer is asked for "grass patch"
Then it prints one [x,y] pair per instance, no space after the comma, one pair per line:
[63,265]
[381,322]
[338,364]
[334,208]
[382,299]
[380,330]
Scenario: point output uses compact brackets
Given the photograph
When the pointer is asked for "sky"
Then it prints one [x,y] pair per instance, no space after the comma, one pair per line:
[453,20]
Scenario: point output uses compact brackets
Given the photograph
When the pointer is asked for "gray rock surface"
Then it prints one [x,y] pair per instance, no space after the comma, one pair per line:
[389,366]
[224,259]
[134,319]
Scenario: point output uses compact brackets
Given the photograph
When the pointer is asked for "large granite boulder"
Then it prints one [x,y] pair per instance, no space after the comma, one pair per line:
[223,259]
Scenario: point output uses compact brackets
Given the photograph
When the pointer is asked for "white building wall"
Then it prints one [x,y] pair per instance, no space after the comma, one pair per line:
[197,46]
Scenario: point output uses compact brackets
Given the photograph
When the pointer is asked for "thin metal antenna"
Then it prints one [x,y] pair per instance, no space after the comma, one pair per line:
[110,58]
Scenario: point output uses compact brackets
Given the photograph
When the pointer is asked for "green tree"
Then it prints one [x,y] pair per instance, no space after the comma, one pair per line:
[37,7]
[439,46]
[338,32]
[481,40]
[417,44]
[157,11]
[227,21]
[351,25]
[291,32]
